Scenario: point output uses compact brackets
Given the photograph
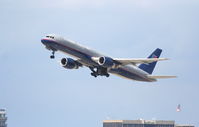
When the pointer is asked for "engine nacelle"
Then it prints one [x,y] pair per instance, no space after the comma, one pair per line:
[106,61]
[69,63]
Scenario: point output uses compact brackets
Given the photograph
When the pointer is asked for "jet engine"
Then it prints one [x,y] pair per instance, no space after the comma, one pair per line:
[106,61]
[69,63]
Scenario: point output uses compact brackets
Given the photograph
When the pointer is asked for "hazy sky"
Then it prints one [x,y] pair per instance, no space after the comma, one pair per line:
[38,92]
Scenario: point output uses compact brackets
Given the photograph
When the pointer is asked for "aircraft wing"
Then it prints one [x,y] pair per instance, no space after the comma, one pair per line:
[138,60]
[160,77]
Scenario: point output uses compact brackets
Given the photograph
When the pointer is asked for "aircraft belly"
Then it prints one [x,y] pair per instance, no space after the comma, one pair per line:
[130,73]
[85,59]
[76,52]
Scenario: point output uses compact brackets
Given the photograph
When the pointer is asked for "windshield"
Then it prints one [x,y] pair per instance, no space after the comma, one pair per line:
[48,36]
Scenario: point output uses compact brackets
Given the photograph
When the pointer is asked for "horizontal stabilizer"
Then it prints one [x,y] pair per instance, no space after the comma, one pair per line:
[160,77]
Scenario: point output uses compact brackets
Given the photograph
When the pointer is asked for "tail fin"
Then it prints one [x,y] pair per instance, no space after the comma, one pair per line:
[150,67]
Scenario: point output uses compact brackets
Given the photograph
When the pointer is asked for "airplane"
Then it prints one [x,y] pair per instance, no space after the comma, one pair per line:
[139,69]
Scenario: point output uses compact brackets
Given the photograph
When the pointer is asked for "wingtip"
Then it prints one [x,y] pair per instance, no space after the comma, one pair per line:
[163,59]
[172,76]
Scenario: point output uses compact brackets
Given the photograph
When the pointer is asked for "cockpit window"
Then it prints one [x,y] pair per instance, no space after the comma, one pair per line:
[50,37]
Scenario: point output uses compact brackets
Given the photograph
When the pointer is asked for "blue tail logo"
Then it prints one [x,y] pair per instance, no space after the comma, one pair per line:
[150,67]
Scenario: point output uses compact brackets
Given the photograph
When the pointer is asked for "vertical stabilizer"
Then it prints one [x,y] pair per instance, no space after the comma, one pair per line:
[150,67]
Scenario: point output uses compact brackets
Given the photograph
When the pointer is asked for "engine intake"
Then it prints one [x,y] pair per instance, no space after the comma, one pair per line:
[106,61]
[69,63]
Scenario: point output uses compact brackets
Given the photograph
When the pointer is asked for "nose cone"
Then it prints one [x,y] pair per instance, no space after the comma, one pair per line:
[43,41]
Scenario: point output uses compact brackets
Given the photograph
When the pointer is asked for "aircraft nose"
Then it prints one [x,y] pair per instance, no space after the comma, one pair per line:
[43,40]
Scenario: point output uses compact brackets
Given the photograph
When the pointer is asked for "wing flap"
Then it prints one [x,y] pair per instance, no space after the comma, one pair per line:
[160,77]
[138,60]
